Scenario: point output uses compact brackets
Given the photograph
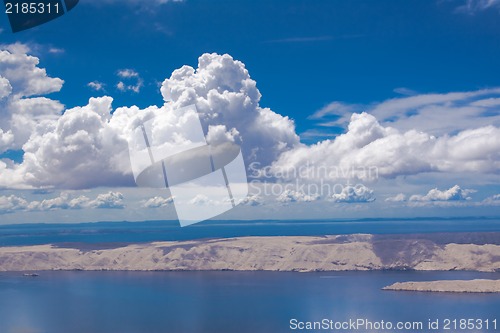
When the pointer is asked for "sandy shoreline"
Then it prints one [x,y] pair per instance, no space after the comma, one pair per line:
[359,252]
[454,286]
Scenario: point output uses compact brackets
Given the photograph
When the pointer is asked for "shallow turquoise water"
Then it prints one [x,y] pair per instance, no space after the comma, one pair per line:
[184,302]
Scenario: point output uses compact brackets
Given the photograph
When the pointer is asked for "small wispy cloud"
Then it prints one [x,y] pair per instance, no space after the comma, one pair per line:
[494,200]
[453,197]
[56,50]
[405,91]
[251,200]
[401,197]
[290,196]
[335,109]
[314,134]
[96,85]
[475,6]
[161,28]
[354,194]
[428,112]
[129,75]
[31,47]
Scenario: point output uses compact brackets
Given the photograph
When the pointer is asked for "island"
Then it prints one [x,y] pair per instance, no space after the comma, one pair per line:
[455,286]
[358,252]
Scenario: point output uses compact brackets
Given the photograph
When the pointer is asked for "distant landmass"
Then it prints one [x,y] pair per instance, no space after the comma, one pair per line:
[361,252]
[464,230]
[456,286]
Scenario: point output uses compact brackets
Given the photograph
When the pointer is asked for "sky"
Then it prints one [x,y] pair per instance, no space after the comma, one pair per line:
[342,109]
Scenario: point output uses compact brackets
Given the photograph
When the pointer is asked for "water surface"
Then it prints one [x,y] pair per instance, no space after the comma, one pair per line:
[134,232]
[220,302]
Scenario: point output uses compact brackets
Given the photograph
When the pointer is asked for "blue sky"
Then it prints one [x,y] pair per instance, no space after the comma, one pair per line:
[315,51]
[316,62]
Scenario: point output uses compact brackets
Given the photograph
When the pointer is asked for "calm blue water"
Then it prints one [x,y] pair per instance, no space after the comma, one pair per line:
[106,232]
[224,302]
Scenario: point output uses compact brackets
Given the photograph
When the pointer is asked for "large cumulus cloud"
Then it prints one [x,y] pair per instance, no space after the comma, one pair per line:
[370,150]
[87,146]
[225,95]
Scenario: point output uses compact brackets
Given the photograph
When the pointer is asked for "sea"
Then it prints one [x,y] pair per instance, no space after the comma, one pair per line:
[239,302]
[235,302]
[148,231]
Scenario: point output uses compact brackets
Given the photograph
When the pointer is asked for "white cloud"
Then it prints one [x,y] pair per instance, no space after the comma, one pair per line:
[127,73]
[219,134]
[354,194]
[86,147]
[107,200]
[110,200]
[17,48]
[56,50]
[63,201]
[96,85]
[80,149]
[157,202]
[225,95]
[23,73]
[487,103]
[12,203]
[209,202]
[369,150]
[130,87]
[6,139]
[494,200]
[453,197]
[453,194]
[425,112]
[289,196]
[335,109]
[405,91]
[203,200]
[251,200]
[135,88]
[474,6]
[431,112]
[397,198]
[5,87]
[315,134]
